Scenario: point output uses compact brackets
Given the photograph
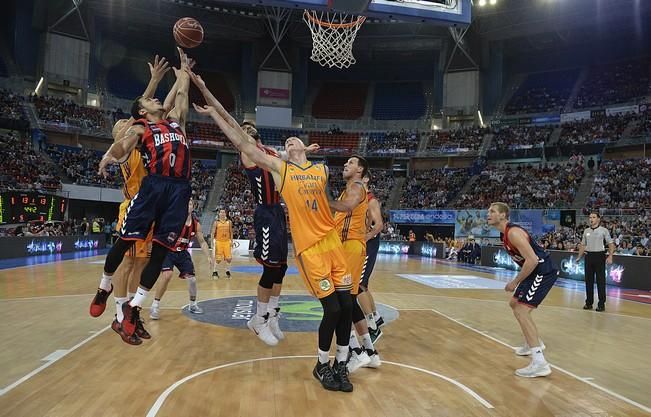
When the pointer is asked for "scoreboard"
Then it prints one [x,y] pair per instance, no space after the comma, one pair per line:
[20,207]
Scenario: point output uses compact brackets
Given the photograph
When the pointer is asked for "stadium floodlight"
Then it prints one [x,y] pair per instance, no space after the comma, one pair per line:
[493,2]
[482,3]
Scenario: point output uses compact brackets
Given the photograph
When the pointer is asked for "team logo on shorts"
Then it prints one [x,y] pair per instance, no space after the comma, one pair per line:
[171,237]
[325,284]
[348,279]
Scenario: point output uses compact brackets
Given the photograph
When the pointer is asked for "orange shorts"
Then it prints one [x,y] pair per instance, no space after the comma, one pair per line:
[355,257]
[323,267]
[223,250]
[142,248]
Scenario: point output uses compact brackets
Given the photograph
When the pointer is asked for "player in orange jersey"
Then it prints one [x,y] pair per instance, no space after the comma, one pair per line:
[222,233]
[351,226]
[318,249]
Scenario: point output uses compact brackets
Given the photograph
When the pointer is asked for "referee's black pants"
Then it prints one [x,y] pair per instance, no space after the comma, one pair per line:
[595,264]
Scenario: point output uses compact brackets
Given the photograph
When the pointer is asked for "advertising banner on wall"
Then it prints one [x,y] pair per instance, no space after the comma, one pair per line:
[625,271]
[425,249]
[422,216]
[19,247]
[537,222]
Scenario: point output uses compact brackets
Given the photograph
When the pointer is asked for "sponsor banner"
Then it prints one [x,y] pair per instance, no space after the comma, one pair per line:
[425,249]
[241,247]
[544,120]
[614,111]
[575,117]
[274,93]
[18,247]
[423,216]
[625,271]
[536,222]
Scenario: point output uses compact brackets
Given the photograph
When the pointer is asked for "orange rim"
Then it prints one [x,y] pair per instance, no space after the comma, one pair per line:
[360,20]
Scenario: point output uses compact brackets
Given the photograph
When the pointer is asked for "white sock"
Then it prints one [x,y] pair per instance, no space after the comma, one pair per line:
[274,302]
[262,309]
[342,353]
[105,283]
[118,307]
[371,321]
[366,341]
[537,355]
[323,357]
[193,302]
[156,303]
[353,343]
[376,315]
[139,298]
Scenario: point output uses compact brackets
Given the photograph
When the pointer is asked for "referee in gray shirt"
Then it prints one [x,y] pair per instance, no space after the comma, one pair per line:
[594,240]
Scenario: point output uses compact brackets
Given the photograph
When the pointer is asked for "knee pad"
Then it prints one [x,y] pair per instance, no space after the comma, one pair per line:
[268,278]
[358,314]
[345,301]
[331,306]
[280,274]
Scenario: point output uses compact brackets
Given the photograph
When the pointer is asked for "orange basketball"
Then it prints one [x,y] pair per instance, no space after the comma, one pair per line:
[188,32]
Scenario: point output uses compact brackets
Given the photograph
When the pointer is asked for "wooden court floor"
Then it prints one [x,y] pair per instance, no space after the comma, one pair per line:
[449,353]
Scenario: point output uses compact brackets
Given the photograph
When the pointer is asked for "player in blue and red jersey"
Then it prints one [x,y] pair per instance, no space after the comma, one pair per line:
[162,200]
[181,259]
[530,287]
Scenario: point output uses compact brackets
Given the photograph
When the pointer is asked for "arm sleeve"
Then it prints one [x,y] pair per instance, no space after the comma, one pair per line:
[607,238]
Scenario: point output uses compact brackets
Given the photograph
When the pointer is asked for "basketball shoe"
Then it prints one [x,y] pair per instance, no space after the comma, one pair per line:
[98,305]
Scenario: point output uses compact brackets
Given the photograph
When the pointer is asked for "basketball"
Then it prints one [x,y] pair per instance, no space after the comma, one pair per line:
[188,32]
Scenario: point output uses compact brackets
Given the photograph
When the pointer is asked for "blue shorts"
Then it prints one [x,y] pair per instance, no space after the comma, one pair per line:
[270,235]
[182,261]
[161,202]
[372,249]
[533,290]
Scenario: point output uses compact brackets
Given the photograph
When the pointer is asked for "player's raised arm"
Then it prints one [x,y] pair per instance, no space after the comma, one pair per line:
[158,69]
[243,142]
[354,194]
[181,105]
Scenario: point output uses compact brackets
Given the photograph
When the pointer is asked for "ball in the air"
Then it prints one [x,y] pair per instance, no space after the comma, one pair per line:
[188,32]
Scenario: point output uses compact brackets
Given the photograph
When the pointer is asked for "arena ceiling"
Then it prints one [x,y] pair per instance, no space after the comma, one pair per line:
[522,24]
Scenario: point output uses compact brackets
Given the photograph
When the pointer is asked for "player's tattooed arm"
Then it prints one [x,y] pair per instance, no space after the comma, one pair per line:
[120,150]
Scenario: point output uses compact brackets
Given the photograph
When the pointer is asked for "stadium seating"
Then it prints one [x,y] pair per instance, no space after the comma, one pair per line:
[614,83]
[542,92]
[432,188]
[399,101]
[624,184]
[393,142]
[340,101]
[336,143]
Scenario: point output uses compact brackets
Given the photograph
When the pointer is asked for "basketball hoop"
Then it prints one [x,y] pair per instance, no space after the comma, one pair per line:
[333,35]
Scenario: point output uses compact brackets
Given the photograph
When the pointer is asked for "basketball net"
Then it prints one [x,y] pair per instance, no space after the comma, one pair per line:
[333,35]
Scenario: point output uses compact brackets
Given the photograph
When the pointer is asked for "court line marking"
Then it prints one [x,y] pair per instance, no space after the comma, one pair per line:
[547,307]
[585,380]
[153,411]
[49,363]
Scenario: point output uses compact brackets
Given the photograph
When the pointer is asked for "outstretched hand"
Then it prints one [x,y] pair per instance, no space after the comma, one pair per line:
[197,80]
[207,110]
[312,148]
[159,68]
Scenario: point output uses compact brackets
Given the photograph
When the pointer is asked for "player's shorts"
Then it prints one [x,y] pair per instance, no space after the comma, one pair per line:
[223,249]
[270,235]
[323,267]
[141,249]
[182,261]
[355,252]
[372,249]
[161,202]
[533,290]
